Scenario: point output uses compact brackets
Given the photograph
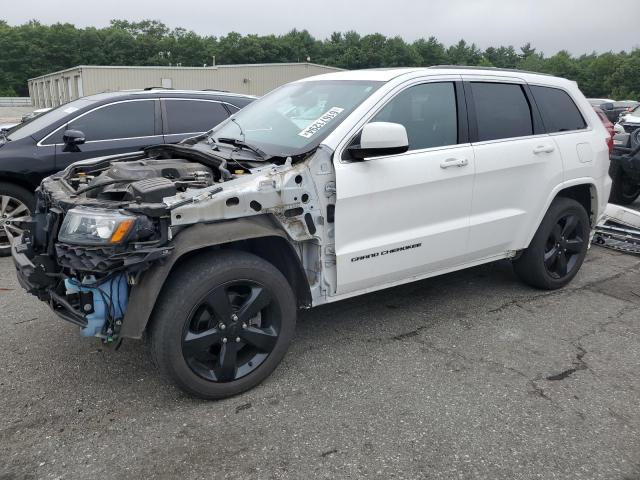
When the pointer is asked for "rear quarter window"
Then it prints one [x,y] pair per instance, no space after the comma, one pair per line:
[559,111]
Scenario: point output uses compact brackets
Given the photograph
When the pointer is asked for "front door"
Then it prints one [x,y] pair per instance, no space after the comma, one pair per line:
[402,216]
[116,128]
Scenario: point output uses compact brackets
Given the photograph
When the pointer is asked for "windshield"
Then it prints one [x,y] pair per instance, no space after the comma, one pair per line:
[296,117]
[31,127]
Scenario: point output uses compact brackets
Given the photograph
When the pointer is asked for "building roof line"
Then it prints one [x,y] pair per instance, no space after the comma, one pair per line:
[167,67]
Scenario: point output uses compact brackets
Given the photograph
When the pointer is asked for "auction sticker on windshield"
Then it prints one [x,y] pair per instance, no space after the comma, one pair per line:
[318,124]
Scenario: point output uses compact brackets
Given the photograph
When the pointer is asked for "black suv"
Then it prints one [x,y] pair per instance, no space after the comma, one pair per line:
[100,125]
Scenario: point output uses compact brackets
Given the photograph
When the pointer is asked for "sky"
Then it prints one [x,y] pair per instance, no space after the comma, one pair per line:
[579,26]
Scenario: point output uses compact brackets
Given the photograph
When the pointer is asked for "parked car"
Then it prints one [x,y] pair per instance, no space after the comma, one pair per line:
[615,110]
[98,125]
[625,187]
[629,121]
[625,168]
[327,188]
[596,102]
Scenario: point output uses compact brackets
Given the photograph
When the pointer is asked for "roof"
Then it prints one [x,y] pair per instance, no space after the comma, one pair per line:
[387,74]
[167,67]
[165,92]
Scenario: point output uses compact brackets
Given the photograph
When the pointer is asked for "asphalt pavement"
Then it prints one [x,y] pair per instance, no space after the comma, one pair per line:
[471,375]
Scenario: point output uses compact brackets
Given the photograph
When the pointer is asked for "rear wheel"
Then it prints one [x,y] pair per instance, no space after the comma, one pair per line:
[624,190]
[223,324]
[16,204]
[558,248]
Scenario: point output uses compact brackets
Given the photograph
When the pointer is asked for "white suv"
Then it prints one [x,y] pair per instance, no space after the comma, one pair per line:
[327,188]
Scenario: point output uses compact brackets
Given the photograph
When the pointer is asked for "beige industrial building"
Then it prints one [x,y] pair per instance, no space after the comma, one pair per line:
[61,87]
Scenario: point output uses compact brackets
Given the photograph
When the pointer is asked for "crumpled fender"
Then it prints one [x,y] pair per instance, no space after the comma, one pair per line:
[144,294]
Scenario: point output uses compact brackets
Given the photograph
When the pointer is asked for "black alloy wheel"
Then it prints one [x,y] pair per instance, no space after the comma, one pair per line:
[232,331]
[564,246]
[558,248]
[222,323]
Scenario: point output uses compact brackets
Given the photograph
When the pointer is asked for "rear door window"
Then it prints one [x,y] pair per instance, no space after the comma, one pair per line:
[502,111]
[428,112]
[193,116]
[558,110]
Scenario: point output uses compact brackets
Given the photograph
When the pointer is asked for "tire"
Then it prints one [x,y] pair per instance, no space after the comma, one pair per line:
[624,190]
[12,201]
[188,342]
[557,240]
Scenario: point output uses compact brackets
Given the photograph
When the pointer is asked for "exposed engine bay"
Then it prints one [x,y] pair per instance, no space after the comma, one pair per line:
[147,180]
[101,224]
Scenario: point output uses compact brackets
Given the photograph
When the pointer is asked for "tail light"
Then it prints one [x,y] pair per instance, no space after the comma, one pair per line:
[609,126]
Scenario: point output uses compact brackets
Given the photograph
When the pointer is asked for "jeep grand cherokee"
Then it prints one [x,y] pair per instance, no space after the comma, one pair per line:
[326,188]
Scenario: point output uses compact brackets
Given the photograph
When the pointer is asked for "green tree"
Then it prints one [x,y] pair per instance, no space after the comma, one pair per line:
[33,49]
[464,54]
[431,51]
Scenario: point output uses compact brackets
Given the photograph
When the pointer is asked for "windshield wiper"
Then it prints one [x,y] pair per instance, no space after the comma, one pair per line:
[242,144]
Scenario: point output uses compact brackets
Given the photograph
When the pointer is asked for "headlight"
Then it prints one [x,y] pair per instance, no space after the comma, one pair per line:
[93,226]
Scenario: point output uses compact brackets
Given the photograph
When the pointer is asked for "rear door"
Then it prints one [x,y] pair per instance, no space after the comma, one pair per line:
[405,215]
[184,118]
[578,144]
[111,129]
[517,165]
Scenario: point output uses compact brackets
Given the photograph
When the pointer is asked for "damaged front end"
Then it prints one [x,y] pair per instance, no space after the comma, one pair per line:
[90,237]
[104,234]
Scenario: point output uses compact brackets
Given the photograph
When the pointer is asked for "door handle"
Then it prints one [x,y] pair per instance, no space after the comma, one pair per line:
[454,162]
[543,149]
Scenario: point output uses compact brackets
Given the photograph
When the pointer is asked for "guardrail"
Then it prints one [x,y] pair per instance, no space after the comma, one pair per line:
[15,102]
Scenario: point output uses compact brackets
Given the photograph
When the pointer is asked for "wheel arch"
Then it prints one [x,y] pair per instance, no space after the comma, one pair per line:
[18,181]
[583,190]
[586,195]
[257,235]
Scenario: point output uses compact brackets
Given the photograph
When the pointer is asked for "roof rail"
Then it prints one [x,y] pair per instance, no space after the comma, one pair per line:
[157,88]
[495,69]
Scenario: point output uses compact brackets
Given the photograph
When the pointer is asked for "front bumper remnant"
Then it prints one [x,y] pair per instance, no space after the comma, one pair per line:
[619,230]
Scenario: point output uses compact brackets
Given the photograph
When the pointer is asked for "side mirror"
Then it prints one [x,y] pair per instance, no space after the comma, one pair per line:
[73,137]
[380,138]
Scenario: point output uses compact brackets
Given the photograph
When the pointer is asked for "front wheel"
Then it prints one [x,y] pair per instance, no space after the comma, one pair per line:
[16,204]
[223,324]
[558,248]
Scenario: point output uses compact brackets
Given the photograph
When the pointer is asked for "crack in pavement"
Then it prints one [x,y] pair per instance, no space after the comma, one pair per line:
[610,320]
[578,364]
[635,268]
